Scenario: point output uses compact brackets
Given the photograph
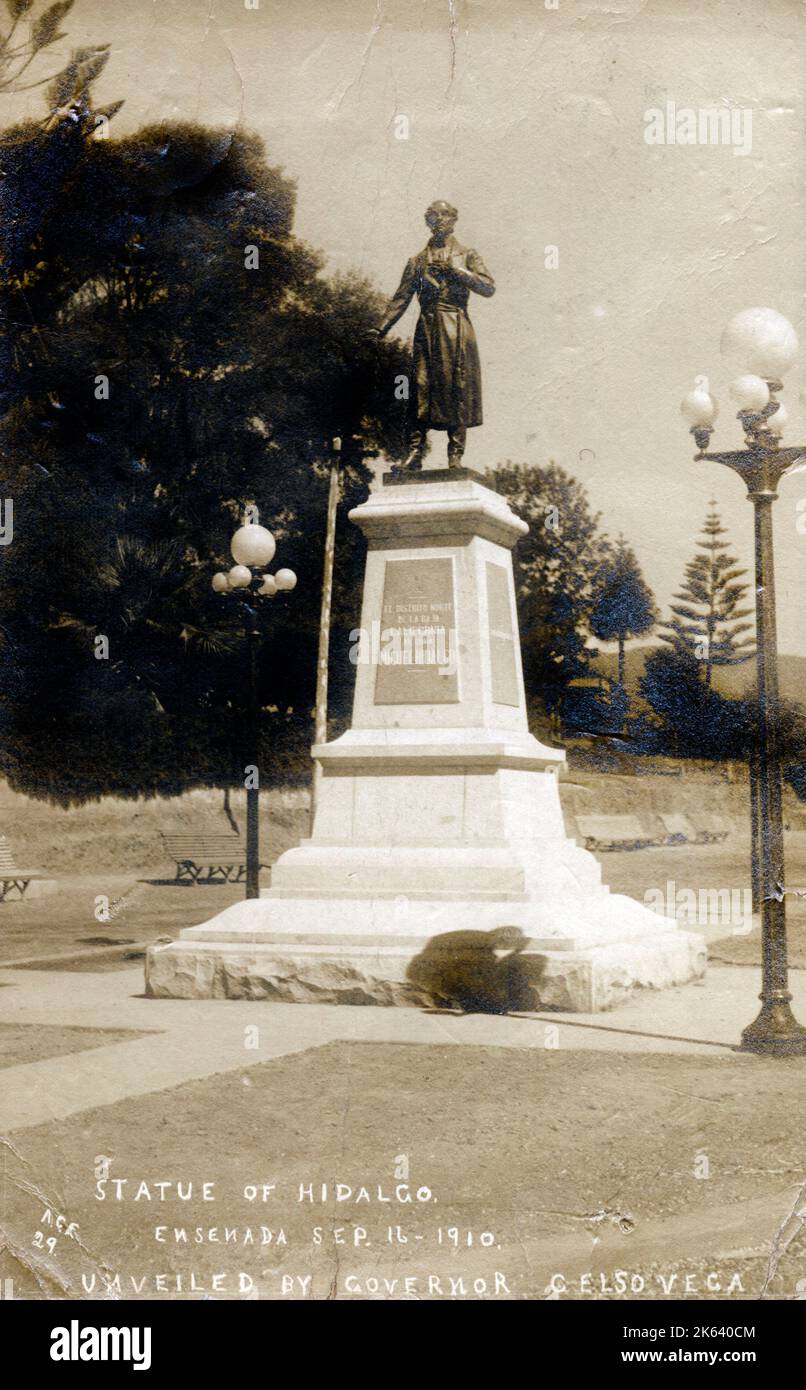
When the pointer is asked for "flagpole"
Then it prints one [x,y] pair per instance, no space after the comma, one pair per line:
[323,659]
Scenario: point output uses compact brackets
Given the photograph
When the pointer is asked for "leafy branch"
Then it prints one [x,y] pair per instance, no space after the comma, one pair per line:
[68,86]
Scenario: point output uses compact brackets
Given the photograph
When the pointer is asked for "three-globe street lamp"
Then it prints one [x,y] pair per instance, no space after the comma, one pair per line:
[252,548]
[765,344]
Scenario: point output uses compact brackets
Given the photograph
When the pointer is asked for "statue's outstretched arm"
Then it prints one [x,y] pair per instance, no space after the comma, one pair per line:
[401,299]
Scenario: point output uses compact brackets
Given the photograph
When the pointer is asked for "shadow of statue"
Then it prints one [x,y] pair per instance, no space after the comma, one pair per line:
[477,972]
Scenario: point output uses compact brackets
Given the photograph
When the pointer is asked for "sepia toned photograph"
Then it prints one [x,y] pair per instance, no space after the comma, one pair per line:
[402,712]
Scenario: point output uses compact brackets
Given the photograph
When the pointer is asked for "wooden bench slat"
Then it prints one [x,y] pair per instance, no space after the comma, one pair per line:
[12,877]
[207,844]
[203,839]
[207,858]
[200,852]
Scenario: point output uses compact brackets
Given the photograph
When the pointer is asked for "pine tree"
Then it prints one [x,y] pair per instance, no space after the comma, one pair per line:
[708,614]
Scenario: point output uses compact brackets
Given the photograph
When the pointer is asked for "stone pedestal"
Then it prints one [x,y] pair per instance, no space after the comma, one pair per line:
[437,812]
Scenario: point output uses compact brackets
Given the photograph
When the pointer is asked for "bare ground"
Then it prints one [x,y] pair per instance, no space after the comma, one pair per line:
[20,1043]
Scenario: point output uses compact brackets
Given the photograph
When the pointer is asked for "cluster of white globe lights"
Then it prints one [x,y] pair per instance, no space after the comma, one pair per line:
[253,546]
[763,341]
[765,344]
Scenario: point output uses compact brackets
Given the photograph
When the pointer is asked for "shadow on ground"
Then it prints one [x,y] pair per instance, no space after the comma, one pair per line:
[475,971]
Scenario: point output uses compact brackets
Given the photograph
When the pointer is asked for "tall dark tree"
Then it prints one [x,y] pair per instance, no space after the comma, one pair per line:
[707,622]
[623,603]
[37,160]
[691,719]
[557,569]
[180,354]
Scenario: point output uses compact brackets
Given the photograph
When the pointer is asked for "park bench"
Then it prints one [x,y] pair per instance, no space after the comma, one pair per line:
[614,832]
[13,879]
[679,830]
[207,858]
[711,830]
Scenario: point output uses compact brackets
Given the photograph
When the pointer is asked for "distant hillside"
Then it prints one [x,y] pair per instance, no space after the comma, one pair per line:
[729,680]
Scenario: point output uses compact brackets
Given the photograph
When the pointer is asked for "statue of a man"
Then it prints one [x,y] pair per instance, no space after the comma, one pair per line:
[446,391]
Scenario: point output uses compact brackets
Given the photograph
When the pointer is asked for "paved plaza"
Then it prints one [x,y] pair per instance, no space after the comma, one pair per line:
[191,1039]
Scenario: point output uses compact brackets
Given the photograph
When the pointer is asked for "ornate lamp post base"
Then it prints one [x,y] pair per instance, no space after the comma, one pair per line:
[776,1032]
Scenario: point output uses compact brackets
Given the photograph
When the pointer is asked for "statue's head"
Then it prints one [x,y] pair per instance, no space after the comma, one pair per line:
[508,939]
[441,217]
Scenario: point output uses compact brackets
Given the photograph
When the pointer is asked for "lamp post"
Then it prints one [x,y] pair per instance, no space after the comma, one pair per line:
[766,344]
[252,549]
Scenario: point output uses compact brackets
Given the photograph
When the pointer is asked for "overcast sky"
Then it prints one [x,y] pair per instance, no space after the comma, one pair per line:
[532,121]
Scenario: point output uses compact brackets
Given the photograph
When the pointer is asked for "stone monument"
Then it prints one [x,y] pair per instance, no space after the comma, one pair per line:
[437,810]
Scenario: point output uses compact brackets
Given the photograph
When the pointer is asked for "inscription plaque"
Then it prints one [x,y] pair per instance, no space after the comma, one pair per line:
[503,667]
[416,645]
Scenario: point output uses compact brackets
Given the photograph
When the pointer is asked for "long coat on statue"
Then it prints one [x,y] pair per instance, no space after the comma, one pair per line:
[447,371]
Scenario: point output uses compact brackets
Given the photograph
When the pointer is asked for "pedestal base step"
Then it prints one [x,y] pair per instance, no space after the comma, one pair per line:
[472,974]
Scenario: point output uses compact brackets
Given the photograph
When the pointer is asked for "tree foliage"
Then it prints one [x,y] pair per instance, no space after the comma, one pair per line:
[623,603]
[33,29]
[691,719]
[176,353]
[557,573]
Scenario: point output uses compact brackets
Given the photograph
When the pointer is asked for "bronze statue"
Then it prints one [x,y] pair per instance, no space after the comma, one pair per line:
[447,373]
